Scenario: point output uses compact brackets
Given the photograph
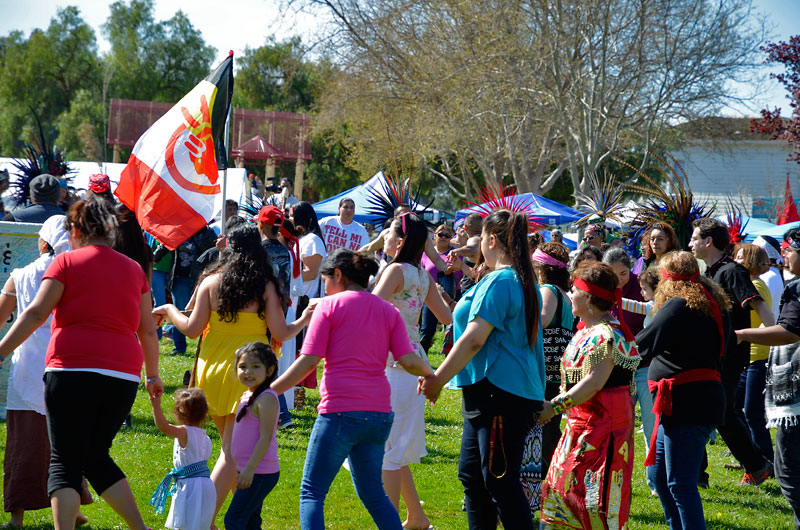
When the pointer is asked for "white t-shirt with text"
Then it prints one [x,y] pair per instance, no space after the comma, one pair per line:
[338,235]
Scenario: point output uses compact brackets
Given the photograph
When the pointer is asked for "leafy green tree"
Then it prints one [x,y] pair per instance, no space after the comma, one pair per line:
[43,73]
[278,76]
[80,128]
[150,60]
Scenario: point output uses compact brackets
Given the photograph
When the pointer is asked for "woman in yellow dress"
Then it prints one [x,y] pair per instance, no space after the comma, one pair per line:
[243,292]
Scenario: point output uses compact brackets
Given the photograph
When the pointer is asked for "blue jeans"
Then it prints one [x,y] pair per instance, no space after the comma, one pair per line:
[284,415]
[645,400]
[359,436]
[679,454]
[429,321]
[159,290]
[182,289]
[750,397]
[244,513]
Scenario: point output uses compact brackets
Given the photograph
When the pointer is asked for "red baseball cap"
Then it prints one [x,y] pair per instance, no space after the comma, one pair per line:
[270,215]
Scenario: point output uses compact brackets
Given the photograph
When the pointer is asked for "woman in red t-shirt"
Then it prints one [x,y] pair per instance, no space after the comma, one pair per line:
[99,339]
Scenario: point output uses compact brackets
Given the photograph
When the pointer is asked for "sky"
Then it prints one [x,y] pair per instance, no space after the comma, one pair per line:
[244,23]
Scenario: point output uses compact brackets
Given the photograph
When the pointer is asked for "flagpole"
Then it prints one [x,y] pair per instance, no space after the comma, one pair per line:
[222,230]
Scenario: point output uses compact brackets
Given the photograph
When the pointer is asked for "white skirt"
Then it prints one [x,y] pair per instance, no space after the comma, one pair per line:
[192,505]
[406,443]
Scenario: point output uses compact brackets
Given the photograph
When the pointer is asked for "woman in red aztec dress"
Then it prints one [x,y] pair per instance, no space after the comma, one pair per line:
[589,481]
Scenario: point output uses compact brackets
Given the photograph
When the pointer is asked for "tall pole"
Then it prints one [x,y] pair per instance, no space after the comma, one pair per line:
[225,172]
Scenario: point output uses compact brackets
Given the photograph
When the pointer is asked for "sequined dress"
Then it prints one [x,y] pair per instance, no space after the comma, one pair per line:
[589,481]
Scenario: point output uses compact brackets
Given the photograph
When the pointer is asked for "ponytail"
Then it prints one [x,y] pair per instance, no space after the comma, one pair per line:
[511,230]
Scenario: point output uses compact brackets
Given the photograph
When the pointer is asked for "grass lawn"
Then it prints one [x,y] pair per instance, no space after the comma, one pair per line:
[146,455]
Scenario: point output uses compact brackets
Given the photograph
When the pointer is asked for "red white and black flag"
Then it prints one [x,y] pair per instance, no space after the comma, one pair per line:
[170,181]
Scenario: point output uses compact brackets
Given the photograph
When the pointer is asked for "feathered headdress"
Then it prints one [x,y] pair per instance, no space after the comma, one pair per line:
[676,207]
[506,198]
[604,200]
[736,223]
[393,191]
[42,158]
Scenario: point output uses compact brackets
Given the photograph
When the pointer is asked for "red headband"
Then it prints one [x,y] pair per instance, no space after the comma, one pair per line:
[715,312]
[614,296]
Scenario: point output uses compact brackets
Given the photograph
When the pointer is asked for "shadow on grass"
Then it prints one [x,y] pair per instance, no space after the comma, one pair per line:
[443,422]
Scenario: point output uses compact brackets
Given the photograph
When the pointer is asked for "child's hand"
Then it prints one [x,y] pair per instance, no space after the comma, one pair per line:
[155,400]
[244,479]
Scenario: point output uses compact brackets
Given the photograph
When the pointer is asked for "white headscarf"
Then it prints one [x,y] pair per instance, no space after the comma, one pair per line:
[55,234]
[772,252]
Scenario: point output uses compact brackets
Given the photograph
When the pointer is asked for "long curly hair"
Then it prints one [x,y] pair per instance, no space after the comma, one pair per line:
[246,271]
[685,264]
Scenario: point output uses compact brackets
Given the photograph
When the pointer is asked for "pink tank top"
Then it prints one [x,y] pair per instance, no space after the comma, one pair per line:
[245,437]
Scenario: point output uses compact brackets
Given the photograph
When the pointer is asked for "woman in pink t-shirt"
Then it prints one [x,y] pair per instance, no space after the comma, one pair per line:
[353,331]
[99,339]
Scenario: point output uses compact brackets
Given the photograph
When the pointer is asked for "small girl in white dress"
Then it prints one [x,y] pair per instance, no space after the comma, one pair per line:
[193,495]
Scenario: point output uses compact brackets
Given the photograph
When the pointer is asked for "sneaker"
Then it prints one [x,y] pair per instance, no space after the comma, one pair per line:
[755,479]
[288,424]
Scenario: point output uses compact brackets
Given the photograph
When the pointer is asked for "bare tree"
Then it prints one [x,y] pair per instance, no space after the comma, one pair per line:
[526,89]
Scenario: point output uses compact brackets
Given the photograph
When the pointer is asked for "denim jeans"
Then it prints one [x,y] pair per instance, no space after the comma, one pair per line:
[182,289]
[750,397]
[645,400]
[487,490]
[787,466]
[429,321]
[159,290]
[359,436]
[284,415]
[244,513]
[679,454]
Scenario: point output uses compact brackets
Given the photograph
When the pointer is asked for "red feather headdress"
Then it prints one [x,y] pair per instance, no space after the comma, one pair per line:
[505,198]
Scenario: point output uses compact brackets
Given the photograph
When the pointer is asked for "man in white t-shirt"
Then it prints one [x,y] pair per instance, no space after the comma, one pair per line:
[340,231]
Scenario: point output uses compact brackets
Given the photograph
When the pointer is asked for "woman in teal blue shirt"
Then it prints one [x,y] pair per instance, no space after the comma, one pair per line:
[498,363]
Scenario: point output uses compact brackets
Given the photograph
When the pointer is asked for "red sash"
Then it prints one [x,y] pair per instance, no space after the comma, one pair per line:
[663,401]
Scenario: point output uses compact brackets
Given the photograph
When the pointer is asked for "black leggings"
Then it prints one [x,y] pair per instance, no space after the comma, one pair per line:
[84,412]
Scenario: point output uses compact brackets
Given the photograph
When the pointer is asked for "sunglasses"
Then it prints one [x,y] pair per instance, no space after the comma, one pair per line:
[444,234]
[587,238]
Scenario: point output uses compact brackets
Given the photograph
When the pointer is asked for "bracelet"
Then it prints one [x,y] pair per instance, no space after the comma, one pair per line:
[561,403]
[152,379]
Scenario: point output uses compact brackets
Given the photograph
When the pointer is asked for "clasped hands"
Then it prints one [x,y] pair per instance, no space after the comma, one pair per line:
[431,386]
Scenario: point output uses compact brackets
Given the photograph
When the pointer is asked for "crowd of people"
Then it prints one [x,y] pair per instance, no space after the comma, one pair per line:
[536,338]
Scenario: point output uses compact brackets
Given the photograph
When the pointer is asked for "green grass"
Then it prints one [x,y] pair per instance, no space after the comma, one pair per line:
[145,455]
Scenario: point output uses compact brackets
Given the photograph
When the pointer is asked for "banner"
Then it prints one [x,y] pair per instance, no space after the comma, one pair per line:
[18,247]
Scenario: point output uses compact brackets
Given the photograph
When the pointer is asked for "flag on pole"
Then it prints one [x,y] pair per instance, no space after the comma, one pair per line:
[170,181]
[789,210]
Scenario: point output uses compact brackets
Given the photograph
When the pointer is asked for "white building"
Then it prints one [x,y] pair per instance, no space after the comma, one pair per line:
[723,159]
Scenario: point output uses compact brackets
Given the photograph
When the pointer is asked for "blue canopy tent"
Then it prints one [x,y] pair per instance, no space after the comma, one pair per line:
[549,212]
[360,195]
[752,226]
[776,231]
